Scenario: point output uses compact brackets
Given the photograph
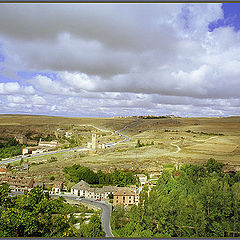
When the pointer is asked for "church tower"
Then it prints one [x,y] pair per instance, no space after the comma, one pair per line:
[94,141]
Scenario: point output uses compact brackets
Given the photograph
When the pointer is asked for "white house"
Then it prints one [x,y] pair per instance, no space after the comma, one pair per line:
[80,188]
[47,144]
[142,179]
[83,189]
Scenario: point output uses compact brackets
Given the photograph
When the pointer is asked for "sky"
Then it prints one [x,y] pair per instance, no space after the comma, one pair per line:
[104,60]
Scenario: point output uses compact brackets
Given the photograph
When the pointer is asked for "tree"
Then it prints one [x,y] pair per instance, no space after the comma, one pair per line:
[21,161]
[52,178]
[200,202]
[4,191]
[95,227]
[138,145]
[213,166]
[33,214]
[236,208]
[110,196]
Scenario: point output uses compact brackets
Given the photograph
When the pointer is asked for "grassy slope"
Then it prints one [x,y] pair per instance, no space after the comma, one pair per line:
[194,147]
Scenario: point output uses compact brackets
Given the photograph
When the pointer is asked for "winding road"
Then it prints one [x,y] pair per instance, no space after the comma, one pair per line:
[121,135]
[6,161]
[105,213]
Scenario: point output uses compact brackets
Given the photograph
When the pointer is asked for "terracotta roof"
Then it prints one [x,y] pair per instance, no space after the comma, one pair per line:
[3,170]
[58,184]
[12,181]
[124,192]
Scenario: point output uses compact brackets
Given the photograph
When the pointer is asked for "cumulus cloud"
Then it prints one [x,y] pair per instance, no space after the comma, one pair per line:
[38,100]
[16,99]
[14,88]
[114,59]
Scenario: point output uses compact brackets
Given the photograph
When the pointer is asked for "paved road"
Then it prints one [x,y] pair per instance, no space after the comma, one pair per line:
[105,214]
[73,149]
[43,154]
[121,135]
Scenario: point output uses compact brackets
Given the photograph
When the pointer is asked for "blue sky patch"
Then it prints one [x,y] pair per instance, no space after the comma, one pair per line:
[231,17]
[29,75]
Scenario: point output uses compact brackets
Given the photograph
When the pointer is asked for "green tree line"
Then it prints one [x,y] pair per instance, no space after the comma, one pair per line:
[10,148]
[36,214]
[76,173]
[198,201]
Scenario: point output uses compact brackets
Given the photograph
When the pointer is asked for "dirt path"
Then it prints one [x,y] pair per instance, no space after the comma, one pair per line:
[98,128]
[206,139]
[179,149]
[175,145]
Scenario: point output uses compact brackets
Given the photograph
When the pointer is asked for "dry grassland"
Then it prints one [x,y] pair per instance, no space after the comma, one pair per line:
[201,142]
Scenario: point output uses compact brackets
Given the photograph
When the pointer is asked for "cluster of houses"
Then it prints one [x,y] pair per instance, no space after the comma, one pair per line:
[43,146]
[121,195]
[18,183]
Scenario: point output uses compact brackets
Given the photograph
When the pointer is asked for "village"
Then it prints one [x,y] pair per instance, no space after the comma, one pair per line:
[115,195]
[110,194]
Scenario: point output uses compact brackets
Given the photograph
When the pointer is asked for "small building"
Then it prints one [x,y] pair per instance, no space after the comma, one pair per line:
[80,188]
[32,150]
[3,171]
[28,150]
[142,179]
[124,196]
[83,189]
[154,176]
[38,150]
[32,142]
[95,193]
[109,190]
[102,146]
[47,144]
[25,151]
[57,187]
[89,145]
[18,183]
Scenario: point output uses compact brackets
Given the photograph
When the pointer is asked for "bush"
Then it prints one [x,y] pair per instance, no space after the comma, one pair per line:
[53,159]
[52,178]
